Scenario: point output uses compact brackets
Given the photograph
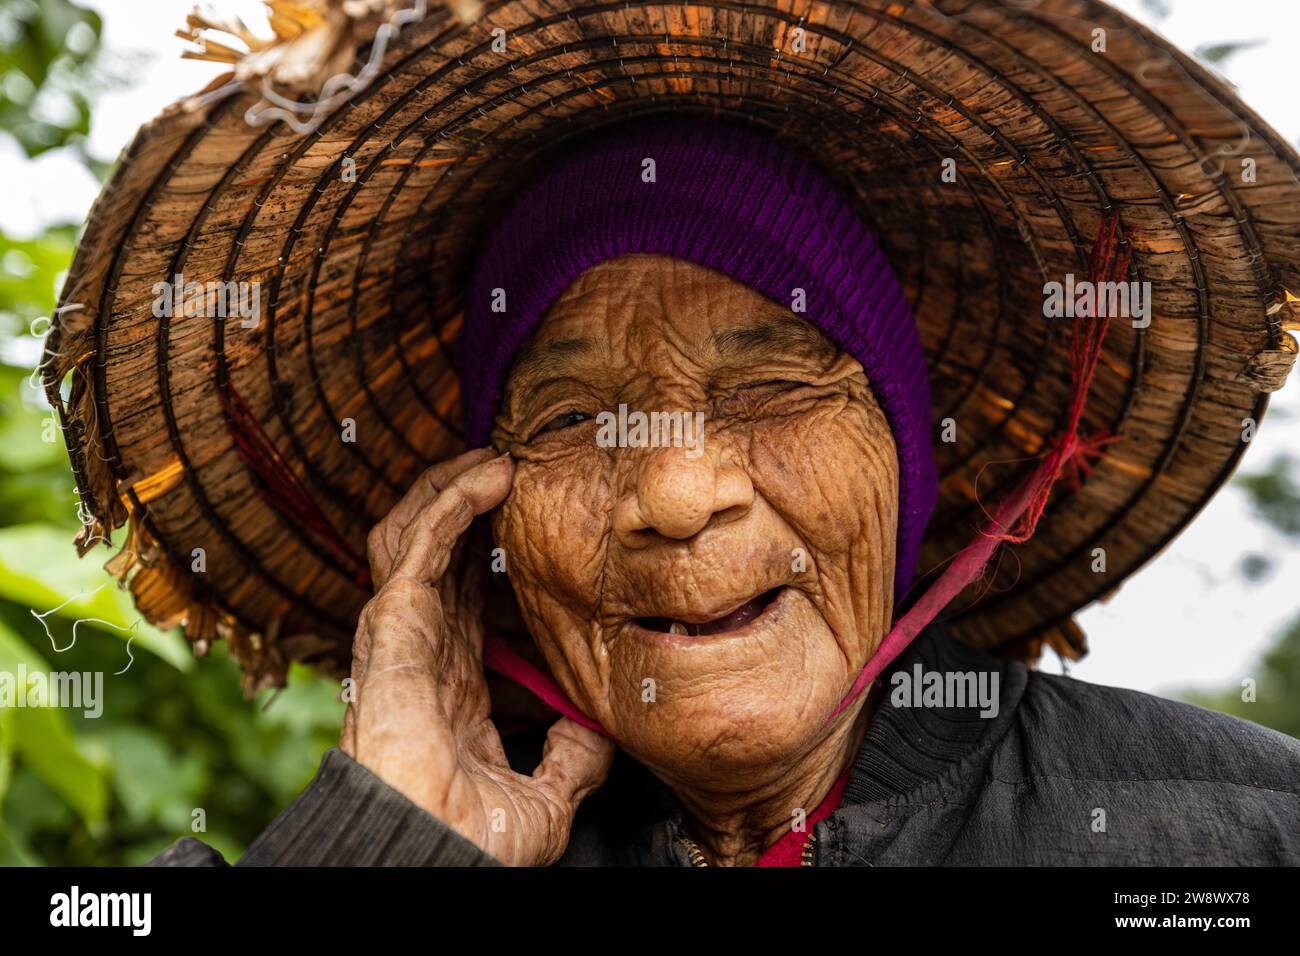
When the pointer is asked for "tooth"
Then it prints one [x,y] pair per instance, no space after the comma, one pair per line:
[677,628]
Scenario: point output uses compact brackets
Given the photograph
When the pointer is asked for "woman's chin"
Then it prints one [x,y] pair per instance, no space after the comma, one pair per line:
[732,730]
[722,740]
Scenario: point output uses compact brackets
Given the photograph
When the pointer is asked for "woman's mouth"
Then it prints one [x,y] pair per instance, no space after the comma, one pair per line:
[732,621]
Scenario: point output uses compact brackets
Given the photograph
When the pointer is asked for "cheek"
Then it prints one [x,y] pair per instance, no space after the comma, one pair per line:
[832,475]
[554,529]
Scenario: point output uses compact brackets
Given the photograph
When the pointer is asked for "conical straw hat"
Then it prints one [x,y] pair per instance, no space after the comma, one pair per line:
[349,167]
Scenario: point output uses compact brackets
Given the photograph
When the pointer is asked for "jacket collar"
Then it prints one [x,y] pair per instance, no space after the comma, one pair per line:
[918,734]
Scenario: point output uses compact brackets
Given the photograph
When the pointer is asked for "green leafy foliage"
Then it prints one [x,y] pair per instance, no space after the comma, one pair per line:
[46,53]
[1276,690]
[1219,53]
[1275,495]
[177,746]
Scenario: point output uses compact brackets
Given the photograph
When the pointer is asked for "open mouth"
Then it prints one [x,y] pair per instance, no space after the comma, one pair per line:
[733,621]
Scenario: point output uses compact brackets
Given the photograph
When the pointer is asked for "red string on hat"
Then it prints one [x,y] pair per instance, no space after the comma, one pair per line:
[1017,516]
[277,483]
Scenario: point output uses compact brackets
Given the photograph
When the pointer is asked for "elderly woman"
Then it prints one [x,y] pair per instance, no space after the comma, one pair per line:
[702,442]
[709,612]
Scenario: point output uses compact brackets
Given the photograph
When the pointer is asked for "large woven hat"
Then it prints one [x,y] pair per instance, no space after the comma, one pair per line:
[348,168]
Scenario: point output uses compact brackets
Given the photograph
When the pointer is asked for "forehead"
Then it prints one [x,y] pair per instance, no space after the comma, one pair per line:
[642,304]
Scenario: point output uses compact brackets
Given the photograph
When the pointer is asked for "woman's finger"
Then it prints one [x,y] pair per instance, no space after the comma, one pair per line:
[383,540]
[575,762]
[357,676]
[427,541]
[398,629]
[361,643]
[348,737]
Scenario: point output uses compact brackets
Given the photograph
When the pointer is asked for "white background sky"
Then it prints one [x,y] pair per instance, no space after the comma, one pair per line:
[1188,619]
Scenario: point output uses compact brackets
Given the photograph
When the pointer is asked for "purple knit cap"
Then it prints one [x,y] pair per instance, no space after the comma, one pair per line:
[731,199]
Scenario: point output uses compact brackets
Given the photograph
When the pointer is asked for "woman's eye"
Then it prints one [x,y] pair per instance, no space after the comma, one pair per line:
[565,420]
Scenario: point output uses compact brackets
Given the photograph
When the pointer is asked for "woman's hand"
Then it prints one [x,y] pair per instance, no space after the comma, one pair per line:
[419,714]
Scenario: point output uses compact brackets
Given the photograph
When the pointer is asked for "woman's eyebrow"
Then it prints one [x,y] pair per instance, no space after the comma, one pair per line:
[548,358]
[768,337]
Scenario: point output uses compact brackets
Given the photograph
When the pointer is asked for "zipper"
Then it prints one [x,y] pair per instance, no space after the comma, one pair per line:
[807,857]
[693,852]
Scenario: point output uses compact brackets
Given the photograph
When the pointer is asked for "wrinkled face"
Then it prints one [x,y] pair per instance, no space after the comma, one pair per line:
[708,601]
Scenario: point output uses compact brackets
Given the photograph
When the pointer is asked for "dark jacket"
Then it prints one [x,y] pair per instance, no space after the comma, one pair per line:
[1065,773]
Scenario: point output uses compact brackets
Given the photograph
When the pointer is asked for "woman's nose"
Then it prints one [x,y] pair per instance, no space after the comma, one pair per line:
[676,496]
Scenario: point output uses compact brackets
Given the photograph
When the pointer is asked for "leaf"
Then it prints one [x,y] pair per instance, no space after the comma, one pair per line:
[1217,53]
[1275,495]
[28,283]
[46,746]
[39,569]
[34,807]
[14,654]
[34,40]
[12,852]
[7,734]
[154,784]
[42,739]
[23,428]
[1158,9]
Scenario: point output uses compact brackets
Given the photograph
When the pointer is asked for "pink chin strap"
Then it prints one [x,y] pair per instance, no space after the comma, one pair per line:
[1015,520]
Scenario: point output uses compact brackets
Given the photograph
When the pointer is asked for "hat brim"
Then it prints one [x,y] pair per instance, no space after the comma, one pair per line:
[360,281]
